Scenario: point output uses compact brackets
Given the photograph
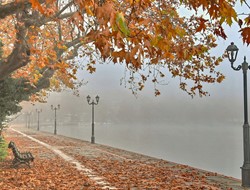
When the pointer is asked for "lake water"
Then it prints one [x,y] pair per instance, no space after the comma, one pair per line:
[217,148]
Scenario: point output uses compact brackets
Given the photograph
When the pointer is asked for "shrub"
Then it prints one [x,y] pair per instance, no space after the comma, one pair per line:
[3,149]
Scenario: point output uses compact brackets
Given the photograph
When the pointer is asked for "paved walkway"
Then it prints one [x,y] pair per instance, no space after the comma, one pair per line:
[67,163]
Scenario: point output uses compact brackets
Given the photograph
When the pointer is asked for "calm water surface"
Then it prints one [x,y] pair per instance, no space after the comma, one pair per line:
[216,148]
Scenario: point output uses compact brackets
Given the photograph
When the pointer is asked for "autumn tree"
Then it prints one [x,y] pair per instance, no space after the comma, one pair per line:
[45,39]
[13,91]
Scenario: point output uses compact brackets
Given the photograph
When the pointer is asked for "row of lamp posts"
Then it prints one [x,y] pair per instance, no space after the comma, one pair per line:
[55,108]
[38,117]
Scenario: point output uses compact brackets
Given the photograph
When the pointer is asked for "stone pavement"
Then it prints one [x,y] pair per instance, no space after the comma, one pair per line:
[66,163]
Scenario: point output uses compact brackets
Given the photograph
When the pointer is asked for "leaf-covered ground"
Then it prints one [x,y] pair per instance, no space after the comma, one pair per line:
[119,168]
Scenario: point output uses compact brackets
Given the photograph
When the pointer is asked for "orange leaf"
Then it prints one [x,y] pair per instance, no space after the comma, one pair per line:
[202,25]
[36,5]
[245,33]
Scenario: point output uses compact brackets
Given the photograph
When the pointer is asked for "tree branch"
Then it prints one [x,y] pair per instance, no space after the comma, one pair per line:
[246,4]
[63,9]
[20,54]
[13,7]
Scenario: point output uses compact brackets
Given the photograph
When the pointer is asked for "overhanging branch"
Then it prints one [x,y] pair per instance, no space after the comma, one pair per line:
[13,7]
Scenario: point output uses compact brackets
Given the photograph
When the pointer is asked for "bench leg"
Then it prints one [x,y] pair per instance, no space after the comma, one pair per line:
[16,163]
[27,163]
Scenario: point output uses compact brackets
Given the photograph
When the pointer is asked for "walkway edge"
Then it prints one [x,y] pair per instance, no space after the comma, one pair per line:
[98,180]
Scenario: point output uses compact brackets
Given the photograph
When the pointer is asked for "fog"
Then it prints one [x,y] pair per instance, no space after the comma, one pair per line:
[201,132]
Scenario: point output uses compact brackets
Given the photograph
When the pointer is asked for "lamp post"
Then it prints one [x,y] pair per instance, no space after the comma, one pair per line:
[55,109]
[38,117]
[28,120]
[232,52]
[93,103]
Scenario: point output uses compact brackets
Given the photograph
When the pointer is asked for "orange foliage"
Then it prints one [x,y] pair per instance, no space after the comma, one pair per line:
[141,34]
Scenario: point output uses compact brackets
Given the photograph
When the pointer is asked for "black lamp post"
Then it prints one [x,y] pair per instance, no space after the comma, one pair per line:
[93,103]
[55,109]
[38,117]
[232,52]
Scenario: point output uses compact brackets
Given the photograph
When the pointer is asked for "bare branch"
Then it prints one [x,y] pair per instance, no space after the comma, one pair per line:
[246,4]
[63,9]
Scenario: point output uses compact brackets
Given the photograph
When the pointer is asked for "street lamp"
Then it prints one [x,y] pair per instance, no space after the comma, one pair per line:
[93,103]
[55,108]
[28,119]
[38,117]
[232,52]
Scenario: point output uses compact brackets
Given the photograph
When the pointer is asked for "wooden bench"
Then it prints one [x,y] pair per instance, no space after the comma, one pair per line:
[20,158]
